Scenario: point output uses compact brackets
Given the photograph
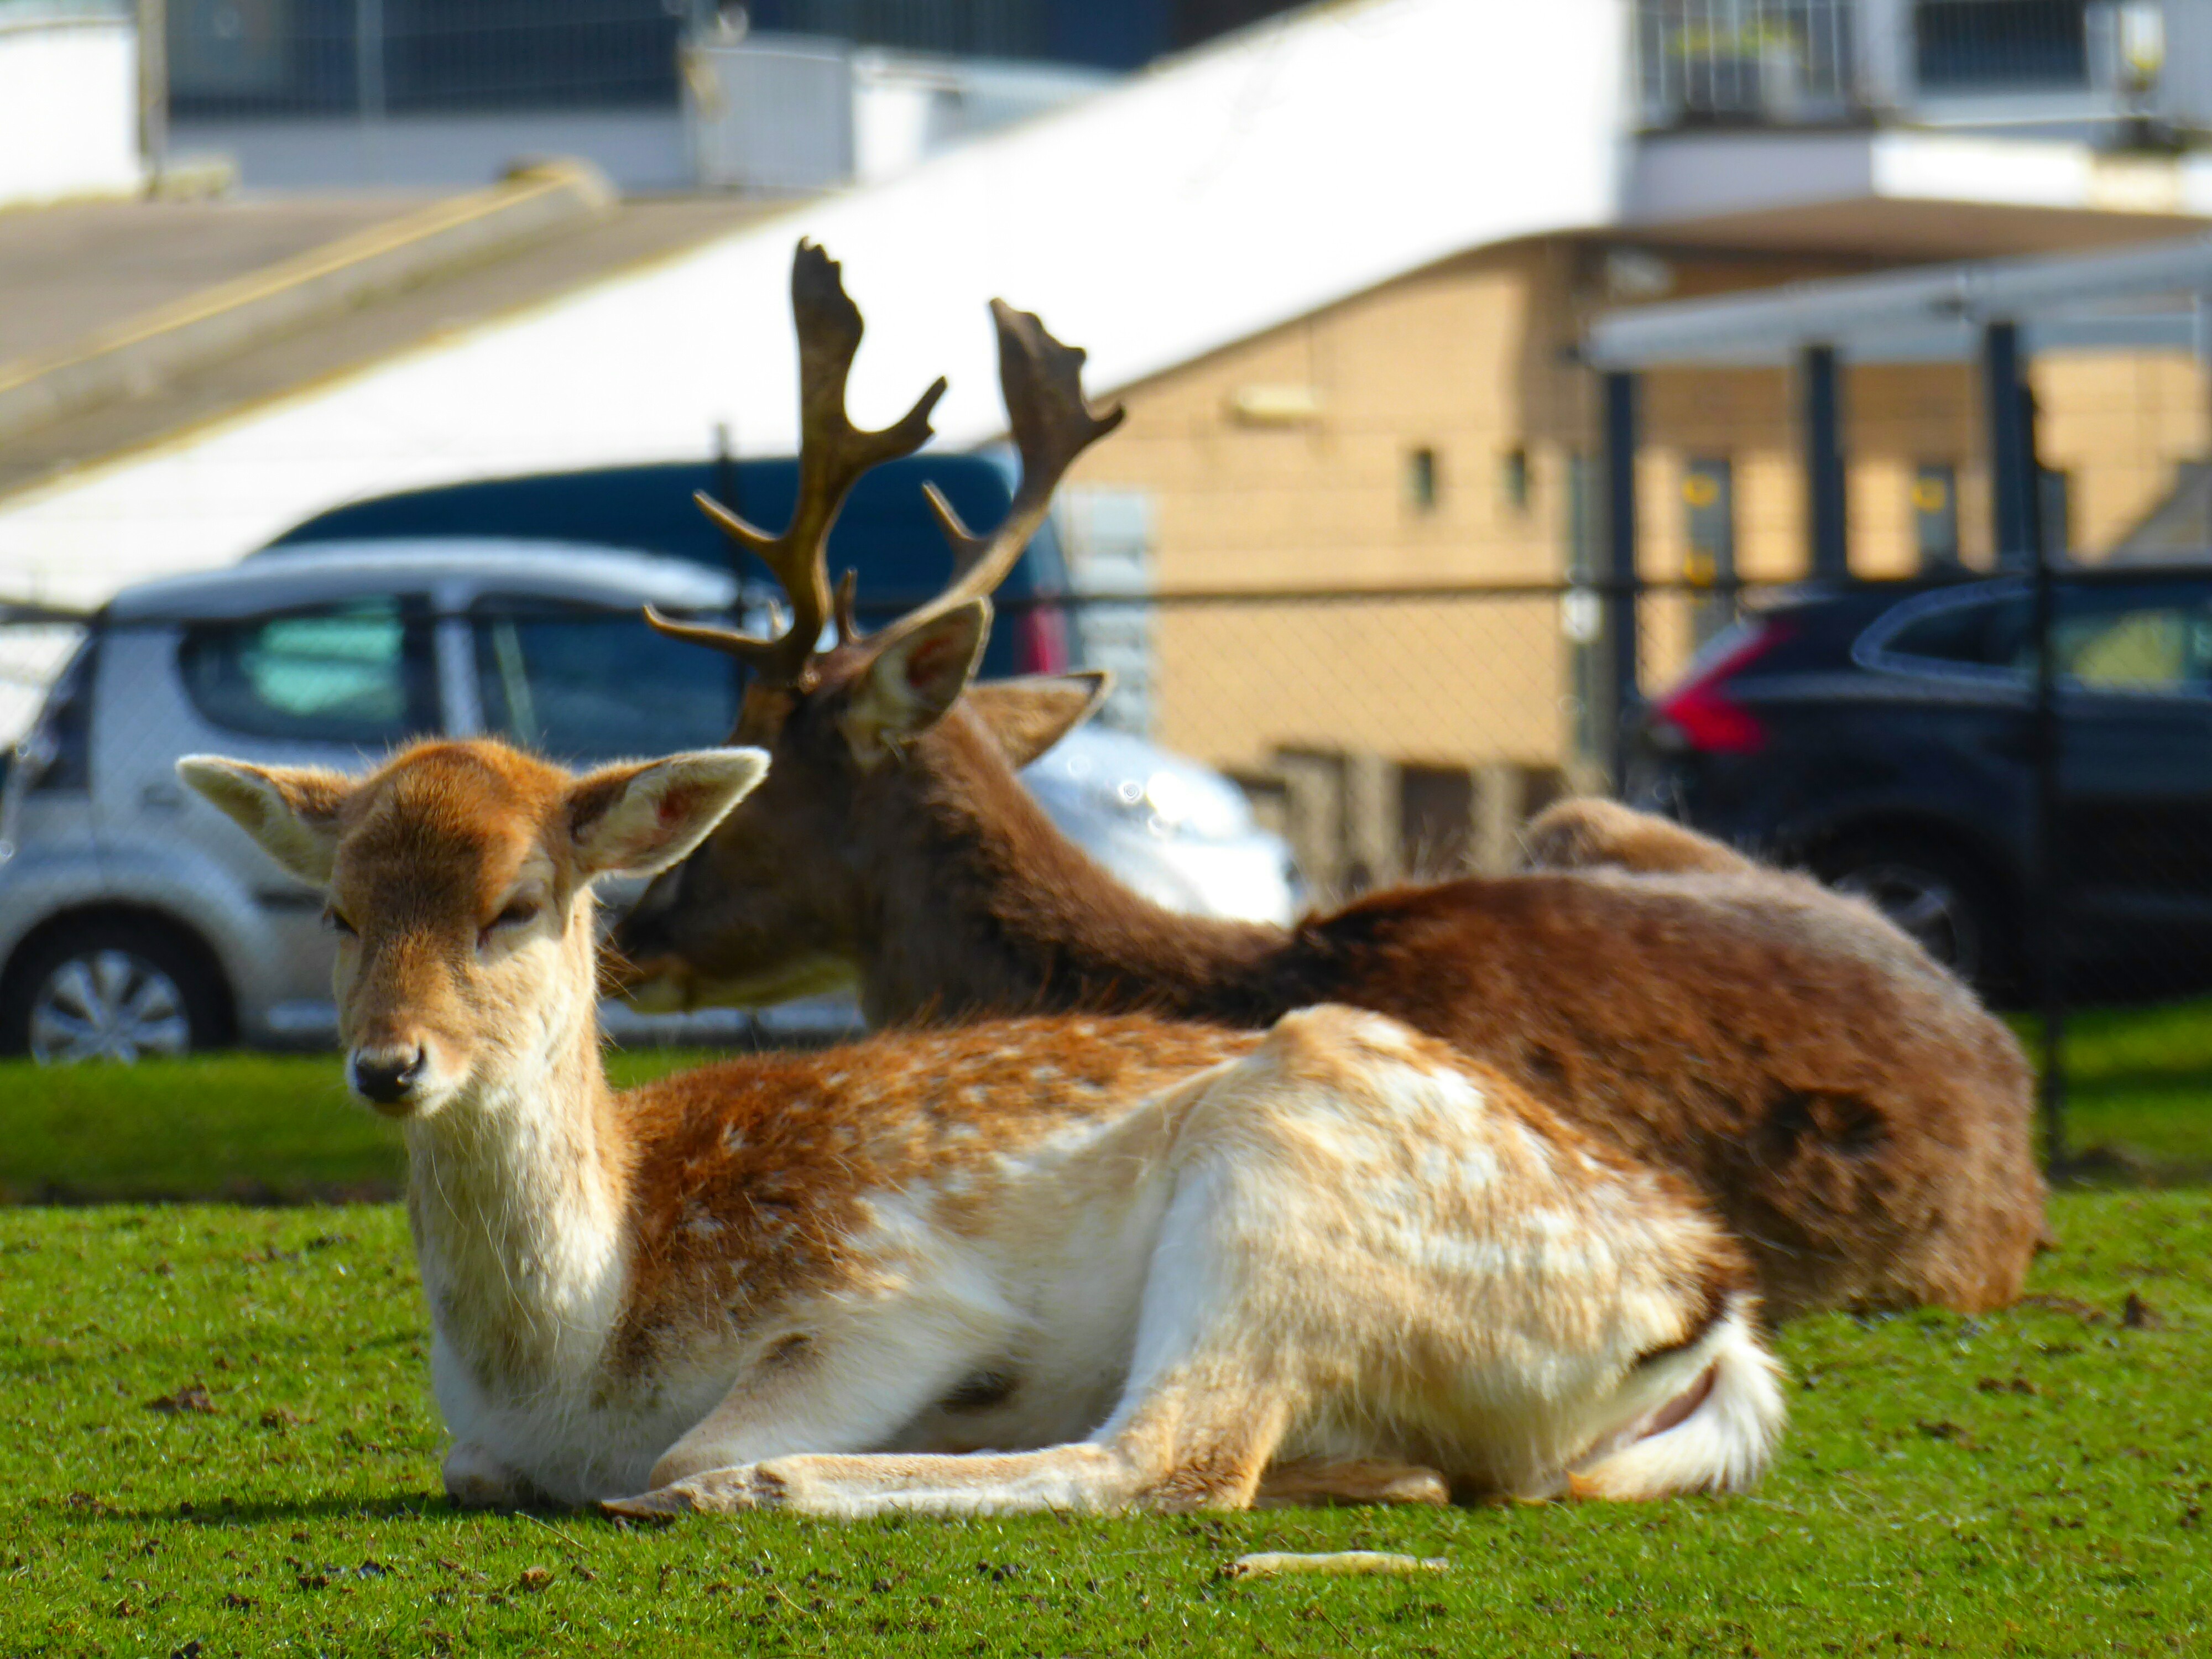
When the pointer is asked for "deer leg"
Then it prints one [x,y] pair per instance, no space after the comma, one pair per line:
[475,1480]
[1305,1482]
[1204,1410]
[833,1390]
[1584,833]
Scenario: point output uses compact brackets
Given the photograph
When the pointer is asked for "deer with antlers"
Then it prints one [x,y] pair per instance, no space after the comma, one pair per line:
[1848,1109]
[1147,1264]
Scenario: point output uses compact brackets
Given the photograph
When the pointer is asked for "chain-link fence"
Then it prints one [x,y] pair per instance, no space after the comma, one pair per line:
[368,58]
[2021,777]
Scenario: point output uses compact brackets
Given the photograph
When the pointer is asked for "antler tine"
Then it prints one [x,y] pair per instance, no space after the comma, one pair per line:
[846,604]
[1043,380]
[833,454]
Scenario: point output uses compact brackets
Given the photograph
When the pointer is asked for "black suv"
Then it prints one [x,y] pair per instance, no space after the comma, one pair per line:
[1883,737]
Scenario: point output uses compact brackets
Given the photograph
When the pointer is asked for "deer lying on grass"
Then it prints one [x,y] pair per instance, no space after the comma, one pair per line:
[1851,1113]
[1145,1263]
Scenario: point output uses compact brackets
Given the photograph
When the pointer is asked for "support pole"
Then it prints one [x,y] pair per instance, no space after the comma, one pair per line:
[1619,582]
[2012,452]
[154,87]
[2013,465]
[1826,507]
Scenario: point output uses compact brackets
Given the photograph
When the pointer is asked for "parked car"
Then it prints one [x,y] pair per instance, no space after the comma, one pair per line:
[1884,738]
[135,918]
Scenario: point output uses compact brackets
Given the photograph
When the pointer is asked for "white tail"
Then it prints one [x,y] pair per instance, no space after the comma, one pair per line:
[1182,1265]
[1728,1390]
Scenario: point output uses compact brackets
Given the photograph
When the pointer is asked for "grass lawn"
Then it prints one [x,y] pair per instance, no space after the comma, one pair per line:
[2035,1483]
[246,1127]
[2140,1080]
[2027,1483]
[262,1127]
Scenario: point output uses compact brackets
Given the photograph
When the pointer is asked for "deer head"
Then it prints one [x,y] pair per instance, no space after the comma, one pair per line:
[459,880]
[768,908]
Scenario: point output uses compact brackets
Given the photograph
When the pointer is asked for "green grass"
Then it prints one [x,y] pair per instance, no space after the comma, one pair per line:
[239,1127]
[2034,1483]
[257,1127]
[2140,1080]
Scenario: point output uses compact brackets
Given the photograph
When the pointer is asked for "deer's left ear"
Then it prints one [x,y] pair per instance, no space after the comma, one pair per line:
[640,817]
[913,680]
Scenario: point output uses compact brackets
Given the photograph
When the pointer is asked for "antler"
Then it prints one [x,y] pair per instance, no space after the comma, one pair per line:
[1043,380]
[833,454]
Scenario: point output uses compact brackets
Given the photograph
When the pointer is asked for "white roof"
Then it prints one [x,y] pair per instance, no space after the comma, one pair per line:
[2141,298]
[454,569]
[1283,170]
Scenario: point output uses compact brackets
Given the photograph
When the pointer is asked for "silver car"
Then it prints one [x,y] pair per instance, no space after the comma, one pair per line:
[135,918]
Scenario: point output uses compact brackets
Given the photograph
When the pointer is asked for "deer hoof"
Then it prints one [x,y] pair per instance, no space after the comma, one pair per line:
[715,1492]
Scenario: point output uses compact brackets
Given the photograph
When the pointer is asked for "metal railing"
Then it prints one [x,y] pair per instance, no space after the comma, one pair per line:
[1724,61]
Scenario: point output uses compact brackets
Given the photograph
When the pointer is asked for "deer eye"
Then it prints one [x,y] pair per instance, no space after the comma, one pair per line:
[518,913]
[334,919]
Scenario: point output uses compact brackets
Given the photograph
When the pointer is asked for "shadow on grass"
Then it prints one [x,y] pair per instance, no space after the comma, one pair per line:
[2111,1166]
[429,1507]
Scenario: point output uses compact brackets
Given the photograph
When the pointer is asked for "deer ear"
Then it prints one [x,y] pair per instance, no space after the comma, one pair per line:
[291,810]
[639,817]
[1030,714]
[906,690]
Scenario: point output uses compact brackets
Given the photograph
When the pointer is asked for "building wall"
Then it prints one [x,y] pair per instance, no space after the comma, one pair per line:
[69,108]
[1443,361]
[1467,361]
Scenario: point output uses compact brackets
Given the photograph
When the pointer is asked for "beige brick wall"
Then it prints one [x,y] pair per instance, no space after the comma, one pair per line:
[1468,359]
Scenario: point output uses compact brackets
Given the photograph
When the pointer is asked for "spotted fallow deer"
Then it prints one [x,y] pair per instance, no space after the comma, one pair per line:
[1148,1265]
[1848,1109]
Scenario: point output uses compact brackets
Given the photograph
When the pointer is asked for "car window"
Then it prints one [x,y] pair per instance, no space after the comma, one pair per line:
[1981,631]
[358,673]
[575,682]
[2141,646]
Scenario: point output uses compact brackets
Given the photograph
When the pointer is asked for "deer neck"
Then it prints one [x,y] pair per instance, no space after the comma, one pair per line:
[516,1191]
[982,904]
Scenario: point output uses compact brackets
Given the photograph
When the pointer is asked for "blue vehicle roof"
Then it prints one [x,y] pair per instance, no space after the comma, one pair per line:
[886,532]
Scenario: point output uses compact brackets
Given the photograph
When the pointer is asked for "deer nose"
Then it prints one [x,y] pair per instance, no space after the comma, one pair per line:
[387,1075]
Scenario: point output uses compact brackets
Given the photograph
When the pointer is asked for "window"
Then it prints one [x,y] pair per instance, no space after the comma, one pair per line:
[1513,479]
[360,674]
[1985,632]
[1709,555]
[1421,480]
[2132,644]
[576,684]
[2001,46]
[1936,515]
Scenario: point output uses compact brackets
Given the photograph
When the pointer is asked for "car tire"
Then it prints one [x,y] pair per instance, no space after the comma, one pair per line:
[1940,897]
[111,987]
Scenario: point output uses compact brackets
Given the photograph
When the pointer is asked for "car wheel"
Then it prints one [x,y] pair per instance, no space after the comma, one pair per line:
[1935,896]
[109,989]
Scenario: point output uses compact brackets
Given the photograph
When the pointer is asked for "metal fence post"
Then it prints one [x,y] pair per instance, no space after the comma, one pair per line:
[2013,475]
[1826,502]
[1619,587]
[153,87]
[369,83]
[2012,460]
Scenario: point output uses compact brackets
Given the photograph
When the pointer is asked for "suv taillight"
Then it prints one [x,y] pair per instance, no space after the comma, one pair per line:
[1041,641]
[1699,710]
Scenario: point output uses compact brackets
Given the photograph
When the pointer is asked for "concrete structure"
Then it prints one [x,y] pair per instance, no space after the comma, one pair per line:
[68,103]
